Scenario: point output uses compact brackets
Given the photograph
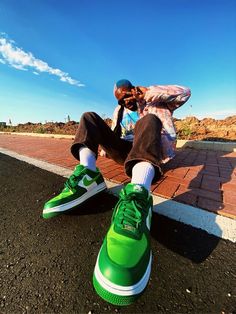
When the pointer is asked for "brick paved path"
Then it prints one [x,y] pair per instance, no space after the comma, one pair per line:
[206,179]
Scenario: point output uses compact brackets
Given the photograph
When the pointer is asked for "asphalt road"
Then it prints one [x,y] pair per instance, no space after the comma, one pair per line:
[46,266]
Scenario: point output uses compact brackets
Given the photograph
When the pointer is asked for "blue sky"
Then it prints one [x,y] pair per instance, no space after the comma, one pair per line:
[63,57]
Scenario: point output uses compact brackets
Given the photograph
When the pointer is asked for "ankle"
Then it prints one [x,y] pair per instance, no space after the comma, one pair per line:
[142,174]
[87,158]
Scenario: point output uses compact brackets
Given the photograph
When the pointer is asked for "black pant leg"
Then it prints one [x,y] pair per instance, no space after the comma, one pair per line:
[93,131]
[146,145]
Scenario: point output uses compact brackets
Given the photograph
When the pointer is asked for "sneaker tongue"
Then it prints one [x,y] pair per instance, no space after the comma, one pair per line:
[136,188]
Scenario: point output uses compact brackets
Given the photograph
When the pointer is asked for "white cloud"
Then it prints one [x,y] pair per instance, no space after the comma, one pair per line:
[19,67]
[21,60]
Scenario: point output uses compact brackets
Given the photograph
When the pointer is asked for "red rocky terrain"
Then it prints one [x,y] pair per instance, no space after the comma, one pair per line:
[189,128]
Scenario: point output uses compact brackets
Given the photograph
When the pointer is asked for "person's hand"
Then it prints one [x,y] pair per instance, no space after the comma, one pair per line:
[103,153]
[138,93]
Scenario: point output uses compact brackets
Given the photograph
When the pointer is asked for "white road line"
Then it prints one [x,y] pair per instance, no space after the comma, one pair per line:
[217,225]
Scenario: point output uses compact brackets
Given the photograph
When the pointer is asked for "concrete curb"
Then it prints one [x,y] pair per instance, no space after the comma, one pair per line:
[71,137]
[208,145]
[220,226]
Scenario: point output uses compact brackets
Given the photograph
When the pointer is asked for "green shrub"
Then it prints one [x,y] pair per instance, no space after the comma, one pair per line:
[185,132]
[40,130]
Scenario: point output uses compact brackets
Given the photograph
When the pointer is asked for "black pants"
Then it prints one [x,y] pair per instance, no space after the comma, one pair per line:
[93,131]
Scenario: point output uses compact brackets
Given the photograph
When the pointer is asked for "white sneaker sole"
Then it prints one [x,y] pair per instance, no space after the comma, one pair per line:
[119,290]
[62,208]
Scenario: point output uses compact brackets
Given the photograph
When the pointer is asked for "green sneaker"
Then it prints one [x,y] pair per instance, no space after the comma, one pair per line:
[123,264]
[81,185]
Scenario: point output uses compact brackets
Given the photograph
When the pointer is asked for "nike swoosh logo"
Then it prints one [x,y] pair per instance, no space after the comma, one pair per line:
[87,182]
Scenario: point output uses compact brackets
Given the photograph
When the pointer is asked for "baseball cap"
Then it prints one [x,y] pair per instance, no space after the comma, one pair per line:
[120,86]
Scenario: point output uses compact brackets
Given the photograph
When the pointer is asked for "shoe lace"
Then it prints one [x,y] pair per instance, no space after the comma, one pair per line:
[130,211]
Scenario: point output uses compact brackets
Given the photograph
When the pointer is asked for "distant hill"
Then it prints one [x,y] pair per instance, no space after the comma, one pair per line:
[187,128]
[207,128]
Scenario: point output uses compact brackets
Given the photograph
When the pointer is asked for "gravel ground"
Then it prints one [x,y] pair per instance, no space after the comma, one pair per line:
[47,265]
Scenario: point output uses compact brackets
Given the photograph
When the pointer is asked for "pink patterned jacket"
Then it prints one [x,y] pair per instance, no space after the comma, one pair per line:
[162,101]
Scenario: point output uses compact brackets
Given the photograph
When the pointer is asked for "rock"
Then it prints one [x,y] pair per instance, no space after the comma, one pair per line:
[202,130]
[187,128]
[191,120]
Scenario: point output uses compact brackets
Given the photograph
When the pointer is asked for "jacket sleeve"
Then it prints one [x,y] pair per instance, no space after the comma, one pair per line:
[172,96]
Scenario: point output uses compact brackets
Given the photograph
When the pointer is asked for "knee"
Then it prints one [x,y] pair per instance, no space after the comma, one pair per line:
[150,120]
[89,116]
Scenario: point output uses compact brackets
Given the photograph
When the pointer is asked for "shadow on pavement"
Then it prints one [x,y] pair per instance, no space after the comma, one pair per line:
[196,245]
[203,190]
[94,205]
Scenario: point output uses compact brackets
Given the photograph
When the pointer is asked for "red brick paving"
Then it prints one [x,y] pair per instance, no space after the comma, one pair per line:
[166,188]
[209,183]
[184,195]
[206,179]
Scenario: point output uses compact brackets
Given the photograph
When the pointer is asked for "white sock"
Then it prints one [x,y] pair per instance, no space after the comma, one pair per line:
[143,173]
[87,158]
